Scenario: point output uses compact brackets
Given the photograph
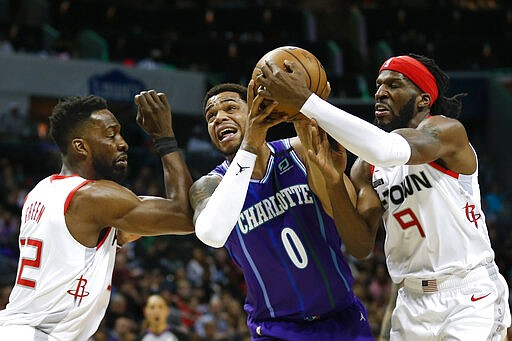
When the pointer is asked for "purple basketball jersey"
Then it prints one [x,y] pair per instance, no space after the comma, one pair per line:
[287,246]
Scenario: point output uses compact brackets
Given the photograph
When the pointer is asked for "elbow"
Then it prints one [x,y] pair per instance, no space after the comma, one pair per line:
[361,252]
[205,234]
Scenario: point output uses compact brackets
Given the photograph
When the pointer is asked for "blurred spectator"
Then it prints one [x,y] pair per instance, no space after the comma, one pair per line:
[155,326]
[13,123]
[125,329]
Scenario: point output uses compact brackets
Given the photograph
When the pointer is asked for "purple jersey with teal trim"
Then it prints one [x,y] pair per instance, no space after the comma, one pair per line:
[287,246]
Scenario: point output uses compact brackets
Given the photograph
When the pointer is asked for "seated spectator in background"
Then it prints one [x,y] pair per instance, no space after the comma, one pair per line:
[155,326]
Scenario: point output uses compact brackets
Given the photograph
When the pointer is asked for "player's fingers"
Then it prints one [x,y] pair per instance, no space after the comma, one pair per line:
[139,118]
[250,92]
[163,99]
[142,100]
[292,66]
[152,98]
[256,103]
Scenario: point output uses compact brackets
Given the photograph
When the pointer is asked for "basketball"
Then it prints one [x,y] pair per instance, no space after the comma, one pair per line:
[313,69]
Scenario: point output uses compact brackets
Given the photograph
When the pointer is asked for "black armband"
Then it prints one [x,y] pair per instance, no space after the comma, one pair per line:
[165,145]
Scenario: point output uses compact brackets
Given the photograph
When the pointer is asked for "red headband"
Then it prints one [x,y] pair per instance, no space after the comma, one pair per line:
[415,71]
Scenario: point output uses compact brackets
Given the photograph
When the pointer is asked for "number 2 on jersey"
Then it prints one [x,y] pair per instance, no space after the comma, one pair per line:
[407,218]
[34,263]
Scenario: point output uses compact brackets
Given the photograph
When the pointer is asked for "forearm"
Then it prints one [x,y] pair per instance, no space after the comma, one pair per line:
[177,180]
[356,234]
[363,139]
[220,215]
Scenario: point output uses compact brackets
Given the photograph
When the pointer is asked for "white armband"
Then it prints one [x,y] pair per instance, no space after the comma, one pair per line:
[362,138]
[215,223]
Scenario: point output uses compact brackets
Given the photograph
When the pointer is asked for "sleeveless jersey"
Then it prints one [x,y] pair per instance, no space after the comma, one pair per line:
[434,221]
[62,287]
[287,246]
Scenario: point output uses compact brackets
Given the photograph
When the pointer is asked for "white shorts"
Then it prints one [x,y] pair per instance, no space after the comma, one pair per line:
[23,333]
[471,308]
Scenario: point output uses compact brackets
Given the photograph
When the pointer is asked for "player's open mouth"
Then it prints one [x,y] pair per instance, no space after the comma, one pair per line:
[381,110]
[122,161]
[226,133]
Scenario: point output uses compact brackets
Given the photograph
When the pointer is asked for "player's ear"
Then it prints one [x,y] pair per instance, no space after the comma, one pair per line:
[424,101]
[79,147]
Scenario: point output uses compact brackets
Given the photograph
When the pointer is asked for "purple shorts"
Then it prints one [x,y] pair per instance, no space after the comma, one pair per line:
[350,324]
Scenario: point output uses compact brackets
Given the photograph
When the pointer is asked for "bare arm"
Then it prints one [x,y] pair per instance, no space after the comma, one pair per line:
[155,118]
[201,191]
[104,203]
[357,234]
[385,327]
[316,179]
[440,138]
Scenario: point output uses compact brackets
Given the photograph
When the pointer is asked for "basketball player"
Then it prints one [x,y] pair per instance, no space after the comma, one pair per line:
[418,172]
[71,222]
[262,205]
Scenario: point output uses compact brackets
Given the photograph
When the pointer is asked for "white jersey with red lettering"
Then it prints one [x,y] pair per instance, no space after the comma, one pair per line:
[62,287]
[434,222]
[437,244]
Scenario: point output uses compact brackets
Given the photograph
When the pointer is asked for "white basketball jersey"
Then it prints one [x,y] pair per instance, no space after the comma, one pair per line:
[62,288]
[433,220]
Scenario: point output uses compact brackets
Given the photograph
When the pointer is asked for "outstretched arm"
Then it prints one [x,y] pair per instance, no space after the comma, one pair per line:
[439,138]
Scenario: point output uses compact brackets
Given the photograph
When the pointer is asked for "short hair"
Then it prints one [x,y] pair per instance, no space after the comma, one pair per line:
[448,106]
[224,87]
[69,115]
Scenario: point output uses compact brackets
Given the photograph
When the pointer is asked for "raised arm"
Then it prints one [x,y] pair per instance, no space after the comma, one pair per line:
[154,116]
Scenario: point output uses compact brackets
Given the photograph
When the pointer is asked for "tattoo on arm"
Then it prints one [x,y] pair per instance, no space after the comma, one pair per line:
[201,191]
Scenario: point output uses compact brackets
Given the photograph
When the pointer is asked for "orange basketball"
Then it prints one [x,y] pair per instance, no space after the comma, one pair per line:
[314,72]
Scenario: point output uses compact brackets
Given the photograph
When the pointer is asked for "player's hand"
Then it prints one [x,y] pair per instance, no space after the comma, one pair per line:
[284,86]
[259,119]
[154,114]
[329,156]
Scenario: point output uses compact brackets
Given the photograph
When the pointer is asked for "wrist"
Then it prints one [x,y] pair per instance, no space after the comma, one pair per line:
[165,145]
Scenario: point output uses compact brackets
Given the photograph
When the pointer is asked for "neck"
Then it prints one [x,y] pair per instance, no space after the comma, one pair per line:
[414,123]
[70,169]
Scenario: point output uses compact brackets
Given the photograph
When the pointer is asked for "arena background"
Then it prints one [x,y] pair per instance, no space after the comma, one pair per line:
[52,48]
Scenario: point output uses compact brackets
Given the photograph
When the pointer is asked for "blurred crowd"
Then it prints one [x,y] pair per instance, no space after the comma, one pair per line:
[225,38]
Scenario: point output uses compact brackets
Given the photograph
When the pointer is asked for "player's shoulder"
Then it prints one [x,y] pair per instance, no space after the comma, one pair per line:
[97,189]
[206,181]
[441,121]
[203,188]
[361,171]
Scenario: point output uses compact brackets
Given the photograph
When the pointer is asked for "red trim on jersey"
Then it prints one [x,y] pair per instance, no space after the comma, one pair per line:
[70,195]
[372,169]
[60,176]
[104,238]
[444,170]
